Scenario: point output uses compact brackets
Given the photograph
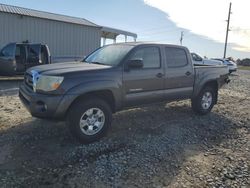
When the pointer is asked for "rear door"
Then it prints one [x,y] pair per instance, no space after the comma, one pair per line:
[7,59]
[145,84]
[34,55]
[179,73]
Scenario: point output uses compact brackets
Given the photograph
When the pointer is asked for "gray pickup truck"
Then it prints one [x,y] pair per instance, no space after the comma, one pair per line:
[114,77]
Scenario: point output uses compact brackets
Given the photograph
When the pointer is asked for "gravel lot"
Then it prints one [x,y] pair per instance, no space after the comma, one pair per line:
[152,146]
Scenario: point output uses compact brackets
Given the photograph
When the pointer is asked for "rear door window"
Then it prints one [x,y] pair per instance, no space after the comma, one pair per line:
[176,57]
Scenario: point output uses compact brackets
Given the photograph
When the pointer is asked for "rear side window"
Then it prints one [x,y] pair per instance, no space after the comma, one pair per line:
[149,55]
[176,57]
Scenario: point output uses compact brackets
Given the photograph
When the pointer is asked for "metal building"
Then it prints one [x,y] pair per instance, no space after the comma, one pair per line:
[65,35]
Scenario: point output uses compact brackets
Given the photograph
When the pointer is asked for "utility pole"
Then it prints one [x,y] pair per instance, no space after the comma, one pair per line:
[228,21]
[182,35]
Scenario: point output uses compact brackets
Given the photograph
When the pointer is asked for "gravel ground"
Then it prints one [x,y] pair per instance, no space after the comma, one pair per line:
[152,146]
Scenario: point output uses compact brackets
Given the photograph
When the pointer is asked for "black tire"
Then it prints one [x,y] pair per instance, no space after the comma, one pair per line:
[78,109]
[197,101]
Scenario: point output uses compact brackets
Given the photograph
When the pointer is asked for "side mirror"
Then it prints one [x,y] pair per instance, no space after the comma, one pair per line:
[135,63]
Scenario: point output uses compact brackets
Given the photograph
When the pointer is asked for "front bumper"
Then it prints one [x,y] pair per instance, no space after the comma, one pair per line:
[44,106]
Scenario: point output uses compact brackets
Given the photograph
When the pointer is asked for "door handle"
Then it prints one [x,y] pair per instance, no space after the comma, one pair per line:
[188,73]
[159,75]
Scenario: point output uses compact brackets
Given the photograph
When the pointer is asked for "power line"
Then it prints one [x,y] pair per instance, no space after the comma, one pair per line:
[152,29]
[160,31]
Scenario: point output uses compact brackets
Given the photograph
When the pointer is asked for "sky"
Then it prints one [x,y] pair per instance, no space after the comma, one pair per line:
[203,22]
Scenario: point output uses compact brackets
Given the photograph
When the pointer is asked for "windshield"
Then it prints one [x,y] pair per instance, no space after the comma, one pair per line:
[8,50]
[109,55]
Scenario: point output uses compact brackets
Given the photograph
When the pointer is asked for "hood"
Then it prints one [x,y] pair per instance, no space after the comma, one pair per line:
[212,62]
[64,68]
[230,63]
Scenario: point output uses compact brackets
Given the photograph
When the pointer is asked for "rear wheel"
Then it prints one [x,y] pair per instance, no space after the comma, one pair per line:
[205,101]
[89,119]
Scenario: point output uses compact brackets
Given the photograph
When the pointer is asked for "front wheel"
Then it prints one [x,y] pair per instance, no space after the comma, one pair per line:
[205,101]
[89,119]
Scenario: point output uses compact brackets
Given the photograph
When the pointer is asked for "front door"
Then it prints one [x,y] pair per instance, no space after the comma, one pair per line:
[20,56]
[146,84]
[7,60]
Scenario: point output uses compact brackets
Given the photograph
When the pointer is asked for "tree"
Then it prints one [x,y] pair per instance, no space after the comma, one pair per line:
[231,59]
[238,61]
[245,62]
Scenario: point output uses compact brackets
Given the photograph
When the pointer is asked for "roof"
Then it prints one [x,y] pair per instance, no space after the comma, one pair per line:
[150,43]
[112,33]
[45,15]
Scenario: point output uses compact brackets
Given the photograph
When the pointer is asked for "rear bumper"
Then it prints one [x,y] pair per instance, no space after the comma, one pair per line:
[44,106]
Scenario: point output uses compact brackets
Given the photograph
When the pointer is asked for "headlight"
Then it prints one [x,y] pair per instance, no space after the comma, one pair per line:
[47,83]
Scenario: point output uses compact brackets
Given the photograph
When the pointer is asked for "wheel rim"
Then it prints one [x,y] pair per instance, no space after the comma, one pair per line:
[206,100]
[92,121]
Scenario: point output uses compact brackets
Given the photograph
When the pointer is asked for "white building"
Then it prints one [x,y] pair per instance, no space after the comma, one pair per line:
[65,35]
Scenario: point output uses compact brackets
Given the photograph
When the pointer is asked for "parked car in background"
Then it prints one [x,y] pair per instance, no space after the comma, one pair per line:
[232,66]
[198,60]
[118,76]
[16,58]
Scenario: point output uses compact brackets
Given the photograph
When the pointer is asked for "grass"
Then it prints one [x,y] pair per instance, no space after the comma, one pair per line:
[244,67]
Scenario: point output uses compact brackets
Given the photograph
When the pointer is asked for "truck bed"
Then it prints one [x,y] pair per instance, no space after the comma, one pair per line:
[204,73]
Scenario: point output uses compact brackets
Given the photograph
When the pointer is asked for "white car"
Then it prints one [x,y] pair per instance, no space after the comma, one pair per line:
[232,66]
[198,60]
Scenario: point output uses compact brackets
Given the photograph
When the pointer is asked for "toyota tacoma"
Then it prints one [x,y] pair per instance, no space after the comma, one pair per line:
[114,77]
